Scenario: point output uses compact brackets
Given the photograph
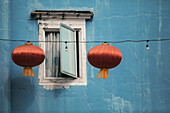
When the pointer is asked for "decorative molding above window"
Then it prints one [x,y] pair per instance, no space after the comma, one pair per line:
[52,14]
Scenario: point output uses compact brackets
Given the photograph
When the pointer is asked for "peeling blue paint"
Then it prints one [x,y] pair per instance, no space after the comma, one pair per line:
[140,84]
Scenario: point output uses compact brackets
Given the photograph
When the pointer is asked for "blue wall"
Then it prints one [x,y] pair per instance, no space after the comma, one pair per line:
[140,84]
[5,56]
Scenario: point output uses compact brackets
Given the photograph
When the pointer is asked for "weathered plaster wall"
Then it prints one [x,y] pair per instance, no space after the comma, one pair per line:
[5,52]
[140,84]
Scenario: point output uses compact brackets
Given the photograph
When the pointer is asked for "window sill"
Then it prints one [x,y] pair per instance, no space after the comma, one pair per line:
[62,83]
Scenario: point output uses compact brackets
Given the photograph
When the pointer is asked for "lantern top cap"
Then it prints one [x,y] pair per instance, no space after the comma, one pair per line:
[28,43]
[105,43]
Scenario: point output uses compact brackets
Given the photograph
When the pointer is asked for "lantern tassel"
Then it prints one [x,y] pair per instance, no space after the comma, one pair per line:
[104,73]
[99,74]
[28,72]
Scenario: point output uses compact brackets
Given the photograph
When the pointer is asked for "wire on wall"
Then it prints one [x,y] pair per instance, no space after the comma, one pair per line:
[123,41]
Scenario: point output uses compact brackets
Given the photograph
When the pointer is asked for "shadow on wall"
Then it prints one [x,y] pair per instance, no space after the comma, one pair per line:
[22,94]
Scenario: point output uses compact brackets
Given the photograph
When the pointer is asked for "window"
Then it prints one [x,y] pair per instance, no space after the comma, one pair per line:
[65,62]
[62,59]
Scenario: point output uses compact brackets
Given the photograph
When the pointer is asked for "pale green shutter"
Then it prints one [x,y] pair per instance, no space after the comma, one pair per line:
[68,57]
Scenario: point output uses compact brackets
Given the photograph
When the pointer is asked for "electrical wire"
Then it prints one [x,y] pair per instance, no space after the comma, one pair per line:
[123,41]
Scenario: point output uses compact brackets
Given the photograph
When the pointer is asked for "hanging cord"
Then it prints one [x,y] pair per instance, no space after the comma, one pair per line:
[123,41]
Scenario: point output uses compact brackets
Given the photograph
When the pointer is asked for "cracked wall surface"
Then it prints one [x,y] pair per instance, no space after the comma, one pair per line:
[5,58]
[140,84]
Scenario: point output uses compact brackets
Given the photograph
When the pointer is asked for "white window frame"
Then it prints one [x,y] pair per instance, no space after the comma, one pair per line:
[63,82]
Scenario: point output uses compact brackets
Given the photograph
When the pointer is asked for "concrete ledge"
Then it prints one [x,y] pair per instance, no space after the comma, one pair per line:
[52,14]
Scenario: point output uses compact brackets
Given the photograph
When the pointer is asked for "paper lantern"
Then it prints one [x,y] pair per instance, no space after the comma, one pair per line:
[28,56]
[105,57]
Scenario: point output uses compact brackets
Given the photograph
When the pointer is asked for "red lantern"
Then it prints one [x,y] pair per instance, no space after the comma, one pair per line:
[105,57]
[28,56]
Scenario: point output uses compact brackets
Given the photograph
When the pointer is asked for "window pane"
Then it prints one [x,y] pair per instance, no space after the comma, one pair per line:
[68,57]
[52,54]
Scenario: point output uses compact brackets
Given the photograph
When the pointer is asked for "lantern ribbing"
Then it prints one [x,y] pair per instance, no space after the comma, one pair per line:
[105,57]
[28,56]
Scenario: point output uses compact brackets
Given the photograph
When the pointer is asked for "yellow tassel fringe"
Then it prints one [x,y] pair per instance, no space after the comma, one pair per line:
[104,73]
[28,72]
